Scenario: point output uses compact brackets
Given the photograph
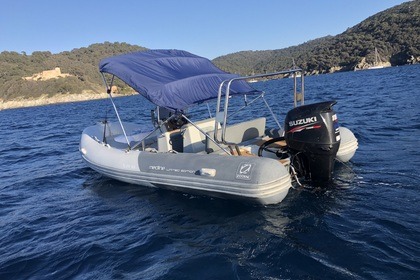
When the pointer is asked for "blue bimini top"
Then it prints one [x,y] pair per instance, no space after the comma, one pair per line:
[172,79]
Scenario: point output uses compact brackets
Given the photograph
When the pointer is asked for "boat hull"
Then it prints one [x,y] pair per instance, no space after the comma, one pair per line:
[261,180]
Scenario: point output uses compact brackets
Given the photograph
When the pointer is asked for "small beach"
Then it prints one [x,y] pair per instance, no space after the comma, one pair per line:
[56,99]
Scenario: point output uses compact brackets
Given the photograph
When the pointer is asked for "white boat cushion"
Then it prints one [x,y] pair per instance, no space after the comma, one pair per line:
[194,140]
[239,133]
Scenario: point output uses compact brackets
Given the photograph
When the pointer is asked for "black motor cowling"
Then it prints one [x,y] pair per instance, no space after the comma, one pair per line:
[313,137]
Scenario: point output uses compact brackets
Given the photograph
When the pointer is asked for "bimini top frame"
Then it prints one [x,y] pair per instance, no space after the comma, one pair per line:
[157,127]
[175,80]
[222,116]
[108,91]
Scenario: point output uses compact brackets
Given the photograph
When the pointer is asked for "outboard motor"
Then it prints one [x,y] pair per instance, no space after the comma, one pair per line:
[313,138]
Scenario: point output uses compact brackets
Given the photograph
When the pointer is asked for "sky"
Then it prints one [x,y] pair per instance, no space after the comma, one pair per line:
[208,28]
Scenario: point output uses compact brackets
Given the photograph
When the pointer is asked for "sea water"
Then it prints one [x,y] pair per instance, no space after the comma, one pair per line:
[59,219]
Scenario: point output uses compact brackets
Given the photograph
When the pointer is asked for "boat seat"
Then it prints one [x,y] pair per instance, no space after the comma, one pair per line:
[195,140]
[132,138]
[239,133]
[170,141]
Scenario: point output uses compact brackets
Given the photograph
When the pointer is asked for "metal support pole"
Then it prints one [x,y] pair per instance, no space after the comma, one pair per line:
[108,90]
[272,113]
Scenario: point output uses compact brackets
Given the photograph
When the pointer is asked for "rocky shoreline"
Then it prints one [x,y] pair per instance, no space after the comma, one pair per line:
[49,100]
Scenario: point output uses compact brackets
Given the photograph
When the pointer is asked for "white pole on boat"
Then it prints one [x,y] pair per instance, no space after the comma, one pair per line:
[108,91]
[208,109]
[298,96]
[302,88]
[217,118]
[272,113]
[141,142]
[225,111]
[295,89]
[228,83]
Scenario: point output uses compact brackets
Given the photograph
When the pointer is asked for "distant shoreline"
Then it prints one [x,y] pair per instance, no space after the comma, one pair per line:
[56,99]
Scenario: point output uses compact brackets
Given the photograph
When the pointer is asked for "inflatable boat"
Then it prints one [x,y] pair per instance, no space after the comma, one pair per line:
[218,154]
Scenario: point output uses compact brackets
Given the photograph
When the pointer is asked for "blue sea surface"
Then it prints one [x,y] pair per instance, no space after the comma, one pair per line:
[59,219]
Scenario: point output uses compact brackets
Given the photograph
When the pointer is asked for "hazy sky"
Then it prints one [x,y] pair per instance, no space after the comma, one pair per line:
[209,28]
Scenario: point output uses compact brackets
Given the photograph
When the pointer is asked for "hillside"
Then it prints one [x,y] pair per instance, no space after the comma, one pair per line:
[80,66]
[394,32]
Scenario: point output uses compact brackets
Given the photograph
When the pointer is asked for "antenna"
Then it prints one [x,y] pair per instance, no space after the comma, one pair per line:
[105,122]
